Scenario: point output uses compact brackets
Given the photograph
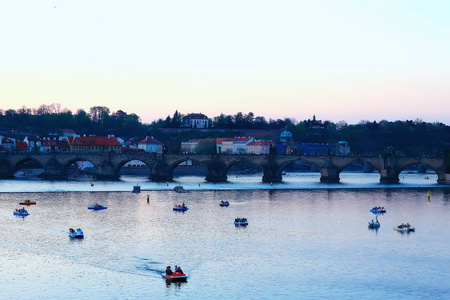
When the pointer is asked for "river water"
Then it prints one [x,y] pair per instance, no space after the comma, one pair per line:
[305,240]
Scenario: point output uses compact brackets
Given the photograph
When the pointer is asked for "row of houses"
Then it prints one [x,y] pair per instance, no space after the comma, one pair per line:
[78,144]
[248,145]
[238,145]
[99,144]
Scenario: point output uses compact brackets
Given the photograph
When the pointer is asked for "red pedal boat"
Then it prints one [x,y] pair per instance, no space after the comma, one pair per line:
[175,277]
[28,202]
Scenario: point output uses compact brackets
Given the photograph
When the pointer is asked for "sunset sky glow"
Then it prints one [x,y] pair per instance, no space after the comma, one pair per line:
[338,60]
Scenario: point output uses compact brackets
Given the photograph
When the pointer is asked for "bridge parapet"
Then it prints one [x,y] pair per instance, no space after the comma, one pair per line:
[162,165]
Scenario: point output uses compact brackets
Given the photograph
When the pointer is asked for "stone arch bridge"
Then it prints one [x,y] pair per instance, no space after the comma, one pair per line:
[56,165]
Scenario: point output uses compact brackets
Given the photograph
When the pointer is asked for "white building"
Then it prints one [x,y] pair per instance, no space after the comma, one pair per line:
[189,146]
[342,148]
[235,145]
[149,144]
[196,121]
[259,147]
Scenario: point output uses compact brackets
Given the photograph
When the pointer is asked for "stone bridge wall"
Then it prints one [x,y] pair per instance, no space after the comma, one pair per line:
[56,165]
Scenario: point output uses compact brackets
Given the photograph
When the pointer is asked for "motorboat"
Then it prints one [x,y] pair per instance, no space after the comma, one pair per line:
[175,277]
[181,207]
[240,222]
[378,210]
[97,206]
[224,203]
[76,234]
[28,202]
[405,228]
[21,212]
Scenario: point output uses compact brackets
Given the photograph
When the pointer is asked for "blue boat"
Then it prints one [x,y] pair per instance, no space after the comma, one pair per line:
[374,224]
[76,234]
[176,208]
[378,210]
[21,212]
[240,222]
[224,203]
[97,206]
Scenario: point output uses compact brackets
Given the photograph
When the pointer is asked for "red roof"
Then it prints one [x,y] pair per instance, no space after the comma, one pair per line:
[95,141]
[244,139]
[196,116]
[22,146]
[149,140]
[262,143]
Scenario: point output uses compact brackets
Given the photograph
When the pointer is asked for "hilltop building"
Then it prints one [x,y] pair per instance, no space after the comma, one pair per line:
[196,120]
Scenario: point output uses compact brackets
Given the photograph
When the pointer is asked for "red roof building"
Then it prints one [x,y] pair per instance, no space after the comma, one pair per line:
[95,144]
[22,147]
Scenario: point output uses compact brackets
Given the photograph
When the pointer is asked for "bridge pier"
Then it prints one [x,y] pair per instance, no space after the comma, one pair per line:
[53,170]
[443,178]
[329,173]
[217,171]
[161,172]
[106,171]
[389,175]
[271,172]
[5,171]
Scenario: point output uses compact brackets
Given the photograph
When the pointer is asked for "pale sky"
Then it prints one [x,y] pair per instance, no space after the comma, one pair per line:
[338,60]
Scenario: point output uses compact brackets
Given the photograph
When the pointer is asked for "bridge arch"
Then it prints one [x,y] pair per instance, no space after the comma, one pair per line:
[122,163]
[68,171]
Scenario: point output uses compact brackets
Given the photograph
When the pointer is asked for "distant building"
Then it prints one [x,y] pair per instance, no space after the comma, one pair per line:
[33,142]
[224,146]
[151,145]
[22,147]
[259,147]
[188,147]
[316,124]
[196,121]
[343,148]
[66,133]
[49,145]
[94,144]
[9,144]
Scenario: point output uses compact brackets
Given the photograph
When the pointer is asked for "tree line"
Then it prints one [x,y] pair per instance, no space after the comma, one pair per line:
[406,137]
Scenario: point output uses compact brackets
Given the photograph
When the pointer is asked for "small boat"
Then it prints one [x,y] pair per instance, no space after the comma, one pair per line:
[240,222]
[21,212]
[404,228]
[179,189]
[378,210]
[136,189]
[175,277]
[28,202]
[20,174]
[97,206]
[76,234]
[180,207]
[224,203]
[374,224]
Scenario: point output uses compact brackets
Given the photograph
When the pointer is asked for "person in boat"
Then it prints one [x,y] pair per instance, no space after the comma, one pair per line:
[179,270]
[183,205]
[169,270]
